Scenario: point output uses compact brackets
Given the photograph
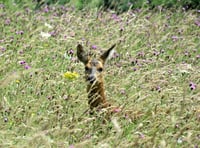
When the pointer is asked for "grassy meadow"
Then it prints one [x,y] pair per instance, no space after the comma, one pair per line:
[154,76]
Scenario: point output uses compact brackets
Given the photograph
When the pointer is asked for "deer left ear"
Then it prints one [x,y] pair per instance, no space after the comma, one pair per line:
[107,54]
[82,56]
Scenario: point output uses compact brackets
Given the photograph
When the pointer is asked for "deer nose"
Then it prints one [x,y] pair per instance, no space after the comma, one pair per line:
[91,78]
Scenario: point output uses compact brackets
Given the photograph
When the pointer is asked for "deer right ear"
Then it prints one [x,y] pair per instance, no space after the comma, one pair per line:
[82,56]
[107,53]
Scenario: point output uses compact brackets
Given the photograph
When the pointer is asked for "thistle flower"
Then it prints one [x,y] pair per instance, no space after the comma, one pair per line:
[122,91]
[46,9]
[174,38]
[53,33]
[192,86]
[27,66]
[117,110]
[22,62]
[20,32]
[134,69]
[158,88]
[2,6]
[3,49]
[71,75]
[197,23]
[71,52]
[94,47]
[7,21]
[71,146]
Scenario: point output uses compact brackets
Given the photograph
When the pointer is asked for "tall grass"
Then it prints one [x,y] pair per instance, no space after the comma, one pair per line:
[154,75]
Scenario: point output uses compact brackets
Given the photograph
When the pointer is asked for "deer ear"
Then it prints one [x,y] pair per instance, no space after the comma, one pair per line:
[82,56]
[107,54]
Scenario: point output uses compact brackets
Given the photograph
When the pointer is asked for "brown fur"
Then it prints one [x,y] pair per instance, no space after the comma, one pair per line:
[94,76]
[96,95]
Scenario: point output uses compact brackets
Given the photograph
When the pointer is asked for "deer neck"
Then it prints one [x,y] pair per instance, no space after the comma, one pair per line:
[96,95]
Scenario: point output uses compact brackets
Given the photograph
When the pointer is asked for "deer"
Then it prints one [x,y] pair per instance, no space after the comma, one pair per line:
[94,76]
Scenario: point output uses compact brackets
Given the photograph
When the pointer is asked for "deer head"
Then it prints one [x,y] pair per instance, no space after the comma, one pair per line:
[94,67]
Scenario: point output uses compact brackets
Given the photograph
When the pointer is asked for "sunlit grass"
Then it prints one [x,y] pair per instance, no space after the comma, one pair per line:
[154,75]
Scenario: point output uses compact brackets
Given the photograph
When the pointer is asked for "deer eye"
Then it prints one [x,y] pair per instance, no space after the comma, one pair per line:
[86,68]
[100,69]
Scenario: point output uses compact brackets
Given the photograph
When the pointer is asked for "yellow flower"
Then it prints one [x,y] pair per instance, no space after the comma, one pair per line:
[17,81]
[33,114]
[71,75]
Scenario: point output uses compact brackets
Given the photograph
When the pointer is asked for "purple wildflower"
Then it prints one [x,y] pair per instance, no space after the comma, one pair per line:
[141,54]
[117,110]
[65,97]
[126,116]
[3,49]
[46,9]
[22,62]
[156,53]
[192,86]
[27,66]
[187,53]
[134,69]
[147,17]
[122,92]
[158,88]
[141,135]
[197,23]
[20,32]
[115,17]
[73,59]
[7,21]
[115,55]
[88,136]
[53,33]
[71,146]
[71,52]
[198,56]
[94,47]
[21,52]
[49,97]
[176,125]
[28,10]
[174,38]
[2,6]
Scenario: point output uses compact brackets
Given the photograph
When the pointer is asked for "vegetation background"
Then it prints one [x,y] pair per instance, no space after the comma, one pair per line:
[154,74]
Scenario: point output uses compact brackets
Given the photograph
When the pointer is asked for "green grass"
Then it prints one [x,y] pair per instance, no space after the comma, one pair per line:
[158,58]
